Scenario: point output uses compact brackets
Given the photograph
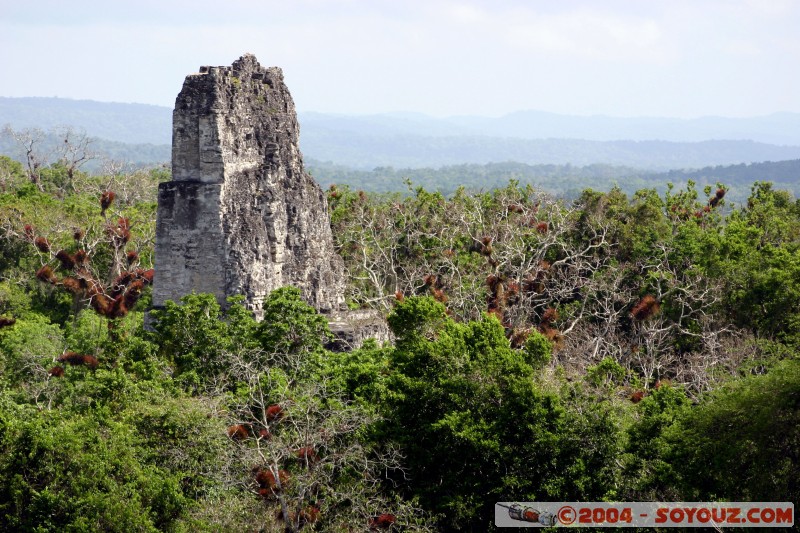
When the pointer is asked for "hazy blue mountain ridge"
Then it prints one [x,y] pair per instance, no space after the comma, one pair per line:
[142,123]
[375,152]
[366,151]
[127,123]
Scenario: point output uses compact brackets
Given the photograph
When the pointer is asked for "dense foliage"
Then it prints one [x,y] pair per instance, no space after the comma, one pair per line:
[618,347]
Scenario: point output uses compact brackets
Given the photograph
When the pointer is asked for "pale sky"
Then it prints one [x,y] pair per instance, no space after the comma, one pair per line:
[670,58]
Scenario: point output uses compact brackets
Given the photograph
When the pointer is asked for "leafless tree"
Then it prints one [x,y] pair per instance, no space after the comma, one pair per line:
[74,152]
[30,142]
[539,264]
[298,449]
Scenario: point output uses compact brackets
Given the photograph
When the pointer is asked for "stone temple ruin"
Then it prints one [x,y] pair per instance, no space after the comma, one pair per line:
[241,215]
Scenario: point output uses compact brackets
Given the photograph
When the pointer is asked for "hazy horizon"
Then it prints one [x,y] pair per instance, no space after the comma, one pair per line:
[400,113]
[442,58]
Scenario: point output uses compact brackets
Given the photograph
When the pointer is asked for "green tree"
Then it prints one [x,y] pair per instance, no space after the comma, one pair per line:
[759,257]
[70,471]
[12,174]
[290,325]
[742,442]
[27,350]
[650,474]
[477,425]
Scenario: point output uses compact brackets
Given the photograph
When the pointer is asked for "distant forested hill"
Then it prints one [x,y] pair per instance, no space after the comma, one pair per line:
[367,151]
[417,141]
[126,123]
[785,174]
[562,180]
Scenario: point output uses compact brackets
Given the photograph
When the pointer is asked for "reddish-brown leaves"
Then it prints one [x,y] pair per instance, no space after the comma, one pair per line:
[306,454]
[120,283]
[535,282]
[81,258]
[118,307]
[486,246]
[274,412]
[268,484]
[497,313]
[239,432]
[309,515]
[718,195]
[111,301]
[67,261]
[121,232]
[542,227]
[146,275]
[518,337]
[283,478]
[439,295]
[46,274]
[512,291]
[42,244]
[76,359]
[106,199]
[646,308]
[550,315]
[90,361]
[263,477]
[133,293]
[552,334]
[102,304]
[435,285]
[498,298]
[382,521]
[72,285]
[124,292]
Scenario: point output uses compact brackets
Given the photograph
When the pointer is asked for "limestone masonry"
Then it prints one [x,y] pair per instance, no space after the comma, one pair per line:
[241,215]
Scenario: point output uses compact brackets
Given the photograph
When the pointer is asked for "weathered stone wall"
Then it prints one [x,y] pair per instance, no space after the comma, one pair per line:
[241,215]
[189,241]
